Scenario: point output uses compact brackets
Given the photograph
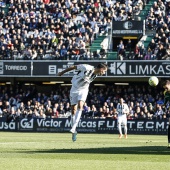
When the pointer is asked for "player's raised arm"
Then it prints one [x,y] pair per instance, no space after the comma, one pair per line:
[67,70]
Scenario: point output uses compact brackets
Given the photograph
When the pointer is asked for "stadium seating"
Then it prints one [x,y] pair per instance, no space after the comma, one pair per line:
[94,44]
[112,55]
[147,41]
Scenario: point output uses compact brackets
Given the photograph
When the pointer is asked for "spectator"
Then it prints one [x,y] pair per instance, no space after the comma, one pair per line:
[82,48]
[161,52]
[129,45]
[159,112]
[120,46]
[63,52]
[26,102]
[3,53]
[102,53]
[30,23]
[148,54]
[122,53]
[42,114]
[167,55]
[152,45]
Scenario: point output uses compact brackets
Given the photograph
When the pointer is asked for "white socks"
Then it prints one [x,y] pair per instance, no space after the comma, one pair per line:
[72,119]
[120,129]
[77,118]
[125,130]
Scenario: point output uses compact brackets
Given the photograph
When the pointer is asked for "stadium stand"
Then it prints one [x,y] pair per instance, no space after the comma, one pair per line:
[79,30]
[31,101]
[51,27]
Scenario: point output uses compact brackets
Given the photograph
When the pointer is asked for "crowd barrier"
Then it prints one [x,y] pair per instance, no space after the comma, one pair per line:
[157,127]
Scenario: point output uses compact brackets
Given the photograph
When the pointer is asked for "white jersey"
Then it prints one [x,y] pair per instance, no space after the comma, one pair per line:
[122,109]
[85,75]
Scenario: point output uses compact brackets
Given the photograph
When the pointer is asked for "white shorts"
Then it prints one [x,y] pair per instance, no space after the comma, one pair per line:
[77,95]
[122,120]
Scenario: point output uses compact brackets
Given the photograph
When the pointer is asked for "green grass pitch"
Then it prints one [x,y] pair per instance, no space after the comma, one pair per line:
[56,151]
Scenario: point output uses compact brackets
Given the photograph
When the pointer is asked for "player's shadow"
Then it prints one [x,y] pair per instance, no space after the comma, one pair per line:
[144,150]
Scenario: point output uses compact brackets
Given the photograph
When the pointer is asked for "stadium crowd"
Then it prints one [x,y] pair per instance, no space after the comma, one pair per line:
[159,20]
[61,30]
[144,103]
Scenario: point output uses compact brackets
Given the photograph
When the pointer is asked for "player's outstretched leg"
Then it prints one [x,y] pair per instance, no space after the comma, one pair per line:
[72,120]
[77,118]
[73,129]
[74,136]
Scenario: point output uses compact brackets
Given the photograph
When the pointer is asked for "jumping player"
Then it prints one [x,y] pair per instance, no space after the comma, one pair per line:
[80,88]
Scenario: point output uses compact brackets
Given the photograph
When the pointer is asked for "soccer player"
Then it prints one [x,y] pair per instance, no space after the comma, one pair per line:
[122,109]
[166,86]
[80,87]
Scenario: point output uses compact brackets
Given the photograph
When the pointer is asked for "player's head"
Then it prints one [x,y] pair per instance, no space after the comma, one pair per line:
[121,100]
[101,69]
[166,85]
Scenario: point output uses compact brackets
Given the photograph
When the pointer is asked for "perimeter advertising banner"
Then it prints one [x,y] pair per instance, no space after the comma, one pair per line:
[52,68]
[158,127]
[15,68]
[12,126]
[139,69]
[115,68]
[127,28]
